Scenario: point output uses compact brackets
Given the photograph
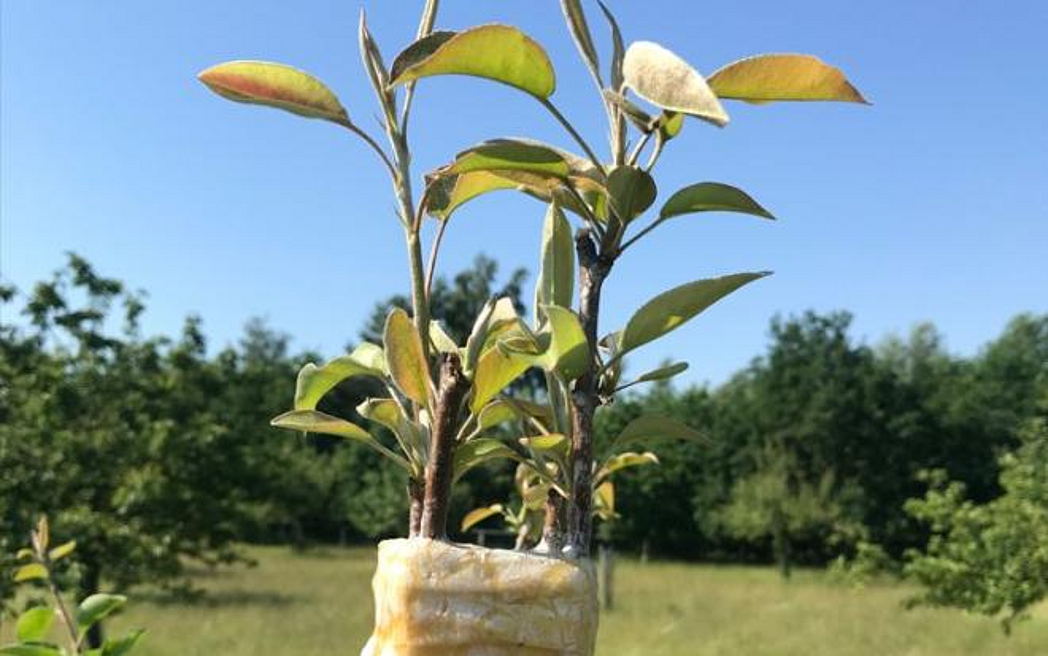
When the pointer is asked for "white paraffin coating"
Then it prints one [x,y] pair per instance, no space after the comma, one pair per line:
[438,599]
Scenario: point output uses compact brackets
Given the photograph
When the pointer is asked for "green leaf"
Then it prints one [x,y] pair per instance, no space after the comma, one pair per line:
[654,427]
[503,410]
[662,373]
[121,646]
[556,281]
[768,78]
[314,382]
[477,515]
[664,79]
[568,353]
[496,52]
[671,309]
[31,650]
[576,19]
[33,625]
[314,421]
[711,197]
[62,550]
[30,572]
[24,553]
[478,451]
[407,364]
[495,370]
[275,85]
[95,608]
[512,155]
[382,411]
[631,191]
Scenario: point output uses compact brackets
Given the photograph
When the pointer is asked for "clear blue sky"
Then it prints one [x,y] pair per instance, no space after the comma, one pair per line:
[930,205]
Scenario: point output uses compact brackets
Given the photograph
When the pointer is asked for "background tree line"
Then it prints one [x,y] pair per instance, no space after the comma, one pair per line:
[154,451]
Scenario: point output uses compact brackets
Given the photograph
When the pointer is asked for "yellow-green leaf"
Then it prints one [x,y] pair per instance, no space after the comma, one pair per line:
[671,309]
[556,281]
[604,501]
[670,125]
[495,370]
[404,354]
[440,339]
[654,427]
[624,460]
[62,550]
[711,197]
[33,625]
[30,572]
[275,85]
[496,52]
[478,451]
[767,78]
[477,515]
[664,79]
[568,353]
[548,442]
[314,382]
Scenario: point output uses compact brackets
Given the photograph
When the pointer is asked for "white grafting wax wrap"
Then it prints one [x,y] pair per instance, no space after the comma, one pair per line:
[433,598]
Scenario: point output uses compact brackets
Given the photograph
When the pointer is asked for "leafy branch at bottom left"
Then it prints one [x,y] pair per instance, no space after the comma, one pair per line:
[33,628]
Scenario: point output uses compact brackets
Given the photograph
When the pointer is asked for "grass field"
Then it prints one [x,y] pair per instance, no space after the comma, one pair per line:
[319,603]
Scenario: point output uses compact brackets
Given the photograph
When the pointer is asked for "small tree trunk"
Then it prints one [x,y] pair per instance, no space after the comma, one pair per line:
[416,492]
[553,527]
[781,547]
[89,585]
[593,269]
[607,577]
[452,387]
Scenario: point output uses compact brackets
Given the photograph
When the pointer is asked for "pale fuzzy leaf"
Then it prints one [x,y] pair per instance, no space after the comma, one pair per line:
[773,77]
[664,79]
[576,19]
[275,85]
[497,52]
